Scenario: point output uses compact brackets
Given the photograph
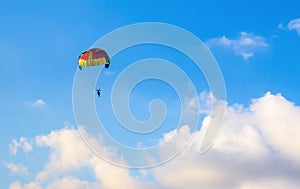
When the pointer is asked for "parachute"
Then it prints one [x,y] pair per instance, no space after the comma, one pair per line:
[93,57]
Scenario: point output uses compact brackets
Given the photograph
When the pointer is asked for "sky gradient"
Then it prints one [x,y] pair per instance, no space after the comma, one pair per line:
[256,45]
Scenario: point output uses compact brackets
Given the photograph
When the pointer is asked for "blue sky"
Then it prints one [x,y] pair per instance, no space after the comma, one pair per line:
[256,45]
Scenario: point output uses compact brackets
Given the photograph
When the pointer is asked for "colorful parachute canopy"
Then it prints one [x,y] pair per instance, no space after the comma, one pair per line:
[93,57]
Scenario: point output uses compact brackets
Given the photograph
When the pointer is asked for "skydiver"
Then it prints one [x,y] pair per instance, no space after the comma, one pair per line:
[98,92]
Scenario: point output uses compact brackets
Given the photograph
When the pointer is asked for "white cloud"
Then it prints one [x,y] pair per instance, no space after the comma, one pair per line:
[69,153]
[68,182]
[205,100]
[17,169]
[112,176]
[36,103]
[17,185]
[280,26]
[274,184]
[244,45]
[279,122]
[23,144]
[258,147]
[294,25]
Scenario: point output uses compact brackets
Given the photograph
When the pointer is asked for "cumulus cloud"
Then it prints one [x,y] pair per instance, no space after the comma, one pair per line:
[17,185]
[279,122]
[68,182]
[68,153]
[258,147]
[274,184]
[36,103]
[17,169]
[204,100]
[294,25]
[244,45]
[23,144]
